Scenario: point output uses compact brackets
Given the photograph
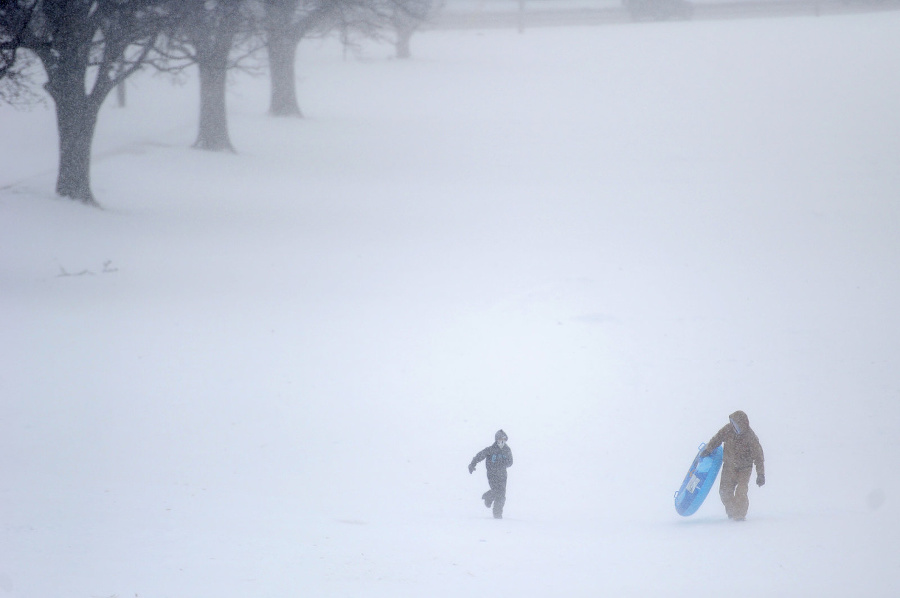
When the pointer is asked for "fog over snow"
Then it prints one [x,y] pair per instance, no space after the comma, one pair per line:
[263,374]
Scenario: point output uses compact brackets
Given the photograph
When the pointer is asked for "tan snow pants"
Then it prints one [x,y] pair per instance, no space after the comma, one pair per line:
[733,490]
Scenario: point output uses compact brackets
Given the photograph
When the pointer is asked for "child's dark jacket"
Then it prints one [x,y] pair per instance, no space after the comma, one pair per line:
[496,459]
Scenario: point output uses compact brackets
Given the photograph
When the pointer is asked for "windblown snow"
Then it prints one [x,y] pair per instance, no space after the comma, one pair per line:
[263,374]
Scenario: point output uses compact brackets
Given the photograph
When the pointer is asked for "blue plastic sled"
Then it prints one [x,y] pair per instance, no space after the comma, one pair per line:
[698,481]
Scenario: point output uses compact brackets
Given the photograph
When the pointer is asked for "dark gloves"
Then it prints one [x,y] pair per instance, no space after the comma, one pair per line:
[760,479]
[471,468]
[705,453]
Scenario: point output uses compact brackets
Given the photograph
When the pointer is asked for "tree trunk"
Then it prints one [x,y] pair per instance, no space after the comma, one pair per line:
[213,130]
[75,122]
[213,46]
[76,117]
[404,35]
[283,35]
[403,38]
[405,25]
[282,60]
[121,96]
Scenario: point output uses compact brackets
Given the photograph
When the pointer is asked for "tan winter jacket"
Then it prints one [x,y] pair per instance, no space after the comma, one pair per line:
[741,450]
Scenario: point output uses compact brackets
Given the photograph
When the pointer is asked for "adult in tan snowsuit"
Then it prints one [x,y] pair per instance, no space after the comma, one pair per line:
[742,451]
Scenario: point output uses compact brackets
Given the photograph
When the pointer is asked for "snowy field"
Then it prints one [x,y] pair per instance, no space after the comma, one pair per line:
[263,374]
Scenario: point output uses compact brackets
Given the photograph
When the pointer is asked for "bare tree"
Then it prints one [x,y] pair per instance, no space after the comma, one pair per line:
[203,35]
[287,23]
[216,36]
[17,87]
[406,17]
[379,18]
[13,67]
[86,47]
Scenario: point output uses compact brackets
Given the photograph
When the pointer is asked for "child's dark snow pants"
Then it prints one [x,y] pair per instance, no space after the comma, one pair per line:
[497,493]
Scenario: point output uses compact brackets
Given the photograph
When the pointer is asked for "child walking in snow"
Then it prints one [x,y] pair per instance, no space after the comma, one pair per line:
[497,457]
[742,452]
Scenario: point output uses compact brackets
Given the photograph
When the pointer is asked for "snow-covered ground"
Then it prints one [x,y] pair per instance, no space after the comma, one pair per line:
[265,373]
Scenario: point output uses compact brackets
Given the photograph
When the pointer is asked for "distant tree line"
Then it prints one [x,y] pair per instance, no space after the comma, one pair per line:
[87,48]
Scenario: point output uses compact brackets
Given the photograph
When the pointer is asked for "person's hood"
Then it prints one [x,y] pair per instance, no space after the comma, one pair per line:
[740,419]
[500,435]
